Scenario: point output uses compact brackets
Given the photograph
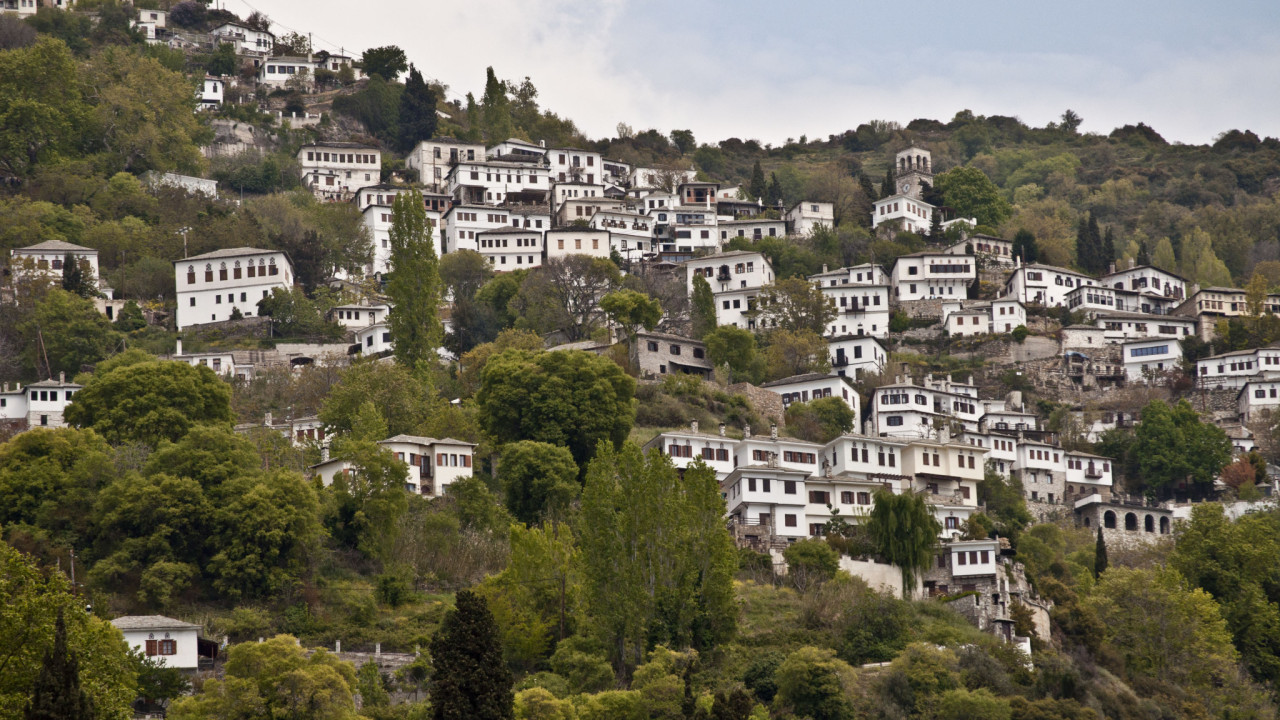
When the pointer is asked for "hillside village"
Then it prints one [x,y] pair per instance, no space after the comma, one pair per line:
[341,362]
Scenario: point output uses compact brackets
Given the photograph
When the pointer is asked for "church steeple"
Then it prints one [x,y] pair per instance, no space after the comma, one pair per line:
[912,168]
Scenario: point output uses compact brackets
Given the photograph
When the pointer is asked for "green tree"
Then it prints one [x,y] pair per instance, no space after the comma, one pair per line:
[905,533]
[810,563]
[276,678]
[757,188]
[414,287]
[404,402]
[730,345]
[572,398]
[471,365]
[1006,503]
[293,314]
[130,318]
[386,62]
[703,308]
[980,704]
[1099,556]
[496,109]
[1070,121]
[631,311]
[223,61]
[74,278]
[373,693]
[41,107]
[813,683]
[655,572]
[1173,446]
[418,117]
[151,401]
[821,420]
[1024,246]
[49,480]
[539,480]
[796,305]
[471,680]
[796,353]
[67,333]
[971,193]
[370,499]
[774,194]
[57,693]
[563,296]
[683,139]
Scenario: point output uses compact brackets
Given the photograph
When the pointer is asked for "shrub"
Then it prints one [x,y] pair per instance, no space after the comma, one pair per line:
[1020,334]
[810,563]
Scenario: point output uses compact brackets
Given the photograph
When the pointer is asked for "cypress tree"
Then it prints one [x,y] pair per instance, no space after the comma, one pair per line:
[757,188]
[417,111]
[1099,556]
[472,681]
[704,307]
[886,187]
[414,285]
[1084,249]
[1144,254]
[868,187]
[57,694]
[497,108]
[774,195]
[1108,248]
[1024,246]
[935,225]
[73,276]
[1095,241]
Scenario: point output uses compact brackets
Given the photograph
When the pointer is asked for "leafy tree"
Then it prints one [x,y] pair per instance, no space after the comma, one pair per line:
[810,563]
[41,108]
[414,287]
[683,139]
[471,365]
[151,401]
[773,196]
[812,683]
[68,333]
[496,109]
[757,188]
[796,305]
[1173,446]
[1070,122]
[31,600]
[631,311]
[418,117]
[821,420]
[730,345]
[1024,246]
[404,402]
[386,62]
[971,193]
[368,501]
[74,278]
[571,398]
[1099,556]
[796,353]
[276,678]
[564,296]
[373,693]
[979,704]
[704,308]
[223,61]
[655,573]
[130,318]
[49,479]
[293,314]
[905,533]
[539,480]
[471,680]
[376,106]
[536,600]
[57,693]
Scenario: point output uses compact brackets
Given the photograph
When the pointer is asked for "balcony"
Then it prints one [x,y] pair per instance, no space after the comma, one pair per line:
[840,361]
[1093,473]
[723,277]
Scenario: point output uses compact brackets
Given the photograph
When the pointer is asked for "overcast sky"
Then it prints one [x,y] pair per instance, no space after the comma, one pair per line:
[774,70]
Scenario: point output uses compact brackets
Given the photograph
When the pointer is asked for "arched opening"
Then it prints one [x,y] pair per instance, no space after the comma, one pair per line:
[1149,524]
[1130,521]
[1164,526]
[1086,521]
[1109,520]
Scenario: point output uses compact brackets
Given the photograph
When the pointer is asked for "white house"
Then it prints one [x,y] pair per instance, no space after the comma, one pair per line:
[994,250]
[517,148]
[904,409]
[246,39]
[814,386]
[804,217]
[211,90]
[853,355]
[629,232]
[45,260]
[1118,326]
[1145,358]
[973,558]
[433,464]
[751,229]
[169,642]
[860,310]
[983,318]
[40,404]
[565,241]
[277,72]
[461,223]
[495,182]
[1147,279]
[1256,396]
[1043,284]
[947,472]
[686,229]
[374,339]
[572,164]
[512,248]
[865,274]
[1087,474]
[1233,369]
[212,286]
[338,170]
[915,214]
[433,158]
[359,315]
[736,278]
[933,275]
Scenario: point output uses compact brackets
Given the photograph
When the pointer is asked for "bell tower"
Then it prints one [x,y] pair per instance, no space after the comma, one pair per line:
[912,167]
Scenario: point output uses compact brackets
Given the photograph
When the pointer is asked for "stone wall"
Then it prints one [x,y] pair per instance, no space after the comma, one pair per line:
[931,308]
[765,402]
[880,576]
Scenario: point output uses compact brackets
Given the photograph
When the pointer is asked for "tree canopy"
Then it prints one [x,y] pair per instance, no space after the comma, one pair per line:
[151,401]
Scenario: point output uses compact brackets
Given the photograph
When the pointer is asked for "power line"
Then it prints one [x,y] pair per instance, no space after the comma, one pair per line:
[330,45]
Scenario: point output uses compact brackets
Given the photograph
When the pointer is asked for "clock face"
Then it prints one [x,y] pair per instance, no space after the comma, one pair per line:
[906,187]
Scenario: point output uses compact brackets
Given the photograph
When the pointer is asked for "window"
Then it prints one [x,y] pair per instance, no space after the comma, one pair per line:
[789,487]
[789,520]
[1145,351]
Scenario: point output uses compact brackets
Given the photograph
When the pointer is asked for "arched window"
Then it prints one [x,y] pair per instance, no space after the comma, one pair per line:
[208,272]
[191,274]
[1164,526]
[1109,520]
[222,271]
[1149,524]
[1130,522]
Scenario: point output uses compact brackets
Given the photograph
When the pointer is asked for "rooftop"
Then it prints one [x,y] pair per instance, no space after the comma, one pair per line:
[808,377]
[152,622]
[55,246]
[228,252]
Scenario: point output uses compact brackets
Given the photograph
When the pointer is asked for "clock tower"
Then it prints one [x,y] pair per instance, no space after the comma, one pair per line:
[912,167]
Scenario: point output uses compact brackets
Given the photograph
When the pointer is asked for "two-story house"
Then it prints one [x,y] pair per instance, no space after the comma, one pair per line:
[338,170]
[932,275]
[215,286]
[736,279]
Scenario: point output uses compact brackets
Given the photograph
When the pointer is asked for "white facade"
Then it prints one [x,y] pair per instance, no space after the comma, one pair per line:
[513,248]
[992,249]
[906,410]
[337,171]
[45,260]
[814,386]
[983,318]
[973,558]
[1233,369]
[860,310]
[1043,284]
[433,464]
[629,233]
[736,278]
[933,275]
[375,339]
[916,215]
[854,355]
[804,217]
[1147,279]
[212,286]
[1257,396]
[643,177]
[491,182]
[563,242]
[39,404]
[570,164]
[463,223]
[169,642]
[1119,327]
[1087,474]
[433,159]
[359,316]
[515,146]
[751,229]
[1145,358]
[211,90]
[246,39]
[686,228]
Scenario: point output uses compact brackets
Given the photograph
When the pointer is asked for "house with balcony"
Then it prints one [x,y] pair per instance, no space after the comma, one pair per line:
[248,41]
[861,309]
[336,171]
[629,232]
[815,386]
[1119,327]
[432,159]
[1043,285]
[946,472]
[855,355]
[498,182]
[932,276]
[904,409]
[988,248]
[751,229]
[1148,280]
[1234,369]
[1147,361]
[736,279]
[433,464]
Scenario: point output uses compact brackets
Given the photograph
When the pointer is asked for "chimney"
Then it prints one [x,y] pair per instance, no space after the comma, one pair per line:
[178,348]
[324,451]
[773,431]
[746,431]
[1111,268]
[721,429]
[944,434]
[62,376]
[693,426]
[266,420]
[824,267]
